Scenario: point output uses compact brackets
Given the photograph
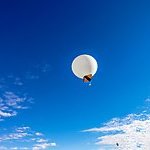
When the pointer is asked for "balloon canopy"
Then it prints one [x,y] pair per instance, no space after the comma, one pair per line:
[84,67]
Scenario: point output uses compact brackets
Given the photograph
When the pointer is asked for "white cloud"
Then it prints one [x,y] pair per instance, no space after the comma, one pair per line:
[14,148]
[24,148]
[41,140]
[39,134]
[43,146]
[22,129]
[18,133]
[45,68]
[7,114]
[11,80]
[18,81]
[12,99]
[10,103]
[19,148]
[131,132]
[38,71]
[53,144]
[147,100]
[31,76]
[23,136]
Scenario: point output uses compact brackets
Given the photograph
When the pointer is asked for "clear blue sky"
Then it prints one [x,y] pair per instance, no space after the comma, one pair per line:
[39,40]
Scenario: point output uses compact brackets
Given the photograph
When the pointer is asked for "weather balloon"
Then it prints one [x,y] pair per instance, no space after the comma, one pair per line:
[84,67]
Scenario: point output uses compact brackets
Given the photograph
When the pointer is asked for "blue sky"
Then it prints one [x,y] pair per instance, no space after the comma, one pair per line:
[43,103]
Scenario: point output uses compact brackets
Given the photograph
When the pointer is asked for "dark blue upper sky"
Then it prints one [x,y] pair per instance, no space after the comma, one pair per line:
[37,35]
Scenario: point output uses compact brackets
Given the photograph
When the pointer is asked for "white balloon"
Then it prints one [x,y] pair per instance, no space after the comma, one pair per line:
[84,65]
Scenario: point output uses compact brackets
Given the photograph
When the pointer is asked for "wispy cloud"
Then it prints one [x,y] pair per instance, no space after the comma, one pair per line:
[43,145]
[11,80]
[38,134]
[44,67]
[148,99]
[18,81]
[14,148]
[24,136]
[13,99]
[38,71]
[31,76]
[11,103]
[129,133]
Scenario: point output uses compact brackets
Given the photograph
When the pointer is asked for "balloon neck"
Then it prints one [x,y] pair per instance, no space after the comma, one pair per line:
[87,78]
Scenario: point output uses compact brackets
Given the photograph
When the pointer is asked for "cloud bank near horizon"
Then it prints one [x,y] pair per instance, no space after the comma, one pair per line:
[131,132]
